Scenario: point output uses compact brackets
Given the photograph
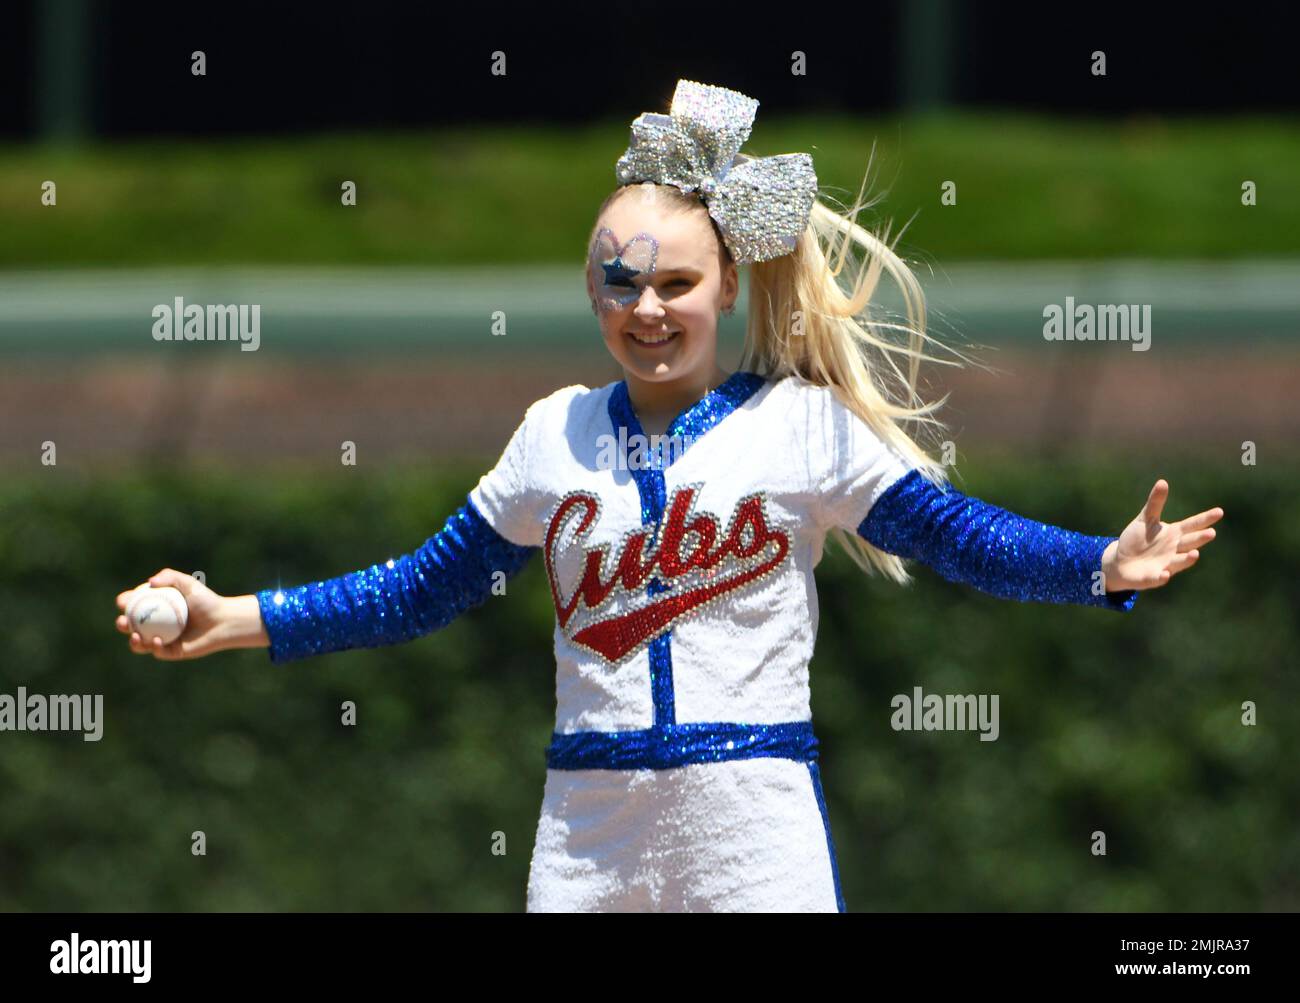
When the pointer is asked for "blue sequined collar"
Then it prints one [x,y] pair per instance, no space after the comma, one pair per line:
[695,420]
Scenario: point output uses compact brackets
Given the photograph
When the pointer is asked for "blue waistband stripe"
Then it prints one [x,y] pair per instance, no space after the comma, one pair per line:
[666,746]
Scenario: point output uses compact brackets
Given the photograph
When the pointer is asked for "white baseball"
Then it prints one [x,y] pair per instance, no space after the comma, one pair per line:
[157,612]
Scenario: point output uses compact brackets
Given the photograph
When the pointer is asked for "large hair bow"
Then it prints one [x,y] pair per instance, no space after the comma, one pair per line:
[760,205]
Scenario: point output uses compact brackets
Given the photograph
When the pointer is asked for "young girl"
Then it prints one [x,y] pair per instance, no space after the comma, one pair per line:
[680,512]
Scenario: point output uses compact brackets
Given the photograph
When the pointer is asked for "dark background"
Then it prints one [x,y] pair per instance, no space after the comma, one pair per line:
[394,65]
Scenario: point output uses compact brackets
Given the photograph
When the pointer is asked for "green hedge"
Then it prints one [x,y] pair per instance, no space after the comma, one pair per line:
[1123,723]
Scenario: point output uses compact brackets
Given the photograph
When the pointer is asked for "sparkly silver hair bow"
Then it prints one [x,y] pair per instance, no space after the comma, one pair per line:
[760,205]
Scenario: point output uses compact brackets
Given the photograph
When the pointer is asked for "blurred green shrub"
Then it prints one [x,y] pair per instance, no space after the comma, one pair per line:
[1122,723]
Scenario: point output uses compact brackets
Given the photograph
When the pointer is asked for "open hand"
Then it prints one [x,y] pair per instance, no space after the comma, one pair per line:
[1150,552]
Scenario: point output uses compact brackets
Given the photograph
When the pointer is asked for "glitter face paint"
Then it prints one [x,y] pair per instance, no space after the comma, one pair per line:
[614,266]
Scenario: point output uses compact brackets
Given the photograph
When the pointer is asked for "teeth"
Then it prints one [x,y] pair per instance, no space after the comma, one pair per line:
[651,339]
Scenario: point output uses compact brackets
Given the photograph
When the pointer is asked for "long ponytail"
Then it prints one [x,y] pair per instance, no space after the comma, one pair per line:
[803,321]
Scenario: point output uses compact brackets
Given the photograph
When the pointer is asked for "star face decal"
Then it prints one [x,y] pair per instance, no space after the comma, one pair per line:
[619,274]
[615,265]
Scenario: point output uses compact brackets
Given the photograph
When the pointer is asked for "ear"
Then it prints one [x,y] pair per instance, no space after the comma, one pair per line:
[730,284]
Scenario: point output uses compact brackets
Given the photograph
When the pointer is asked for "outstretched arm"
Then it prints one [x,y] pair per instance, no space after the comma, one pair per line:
[384,604]
[396,601]
[970,541]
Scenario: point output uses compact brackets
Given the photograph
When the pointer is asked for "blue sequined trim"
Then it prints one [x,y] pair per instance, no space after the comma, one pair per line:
[689,425]
[716,405]
[395,601]
[815,771]
[668,746]
[969,541]
[651,487]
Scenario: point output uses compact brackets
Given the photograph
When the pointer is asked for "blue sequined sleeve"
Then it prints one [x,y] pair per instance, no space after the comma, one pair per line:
[396,601]
[969,541]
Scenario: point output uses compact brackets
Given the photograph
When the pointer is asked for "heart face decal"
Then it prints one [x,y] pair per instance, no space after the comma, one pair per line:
[750,548]
[613,267]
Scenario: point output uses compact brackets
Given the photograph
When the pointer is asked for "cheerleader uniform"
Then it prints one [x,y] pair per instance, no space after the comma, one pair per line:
[682,774]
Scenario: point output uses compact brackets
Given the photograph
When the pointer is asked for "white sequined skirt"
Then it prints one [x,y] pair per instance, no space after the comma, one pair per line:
[745,835]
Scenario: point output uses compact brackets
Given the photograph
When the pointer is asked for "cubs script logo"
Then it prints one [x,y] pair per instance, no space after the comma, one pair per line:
[702,570]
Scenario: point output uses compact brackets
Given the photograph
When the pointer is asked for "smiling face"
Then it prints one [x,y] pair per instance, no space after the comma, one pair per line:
[659,276]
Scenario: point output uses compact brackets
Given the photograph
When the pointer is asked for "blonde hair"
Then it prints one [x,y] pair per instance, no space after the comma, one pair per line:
[806,320]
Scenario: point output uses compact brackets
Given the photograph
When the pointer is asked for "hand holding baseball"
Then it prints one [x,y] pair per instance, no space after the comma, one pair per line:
[207,619]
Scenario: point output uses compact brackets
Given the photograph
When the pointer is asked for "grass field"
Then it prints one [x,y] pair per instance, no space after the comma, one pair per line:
[1026,188]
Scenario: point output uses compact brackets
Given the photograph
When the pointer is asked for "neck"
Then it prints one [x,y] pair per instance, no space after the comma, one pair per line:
[656,404]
